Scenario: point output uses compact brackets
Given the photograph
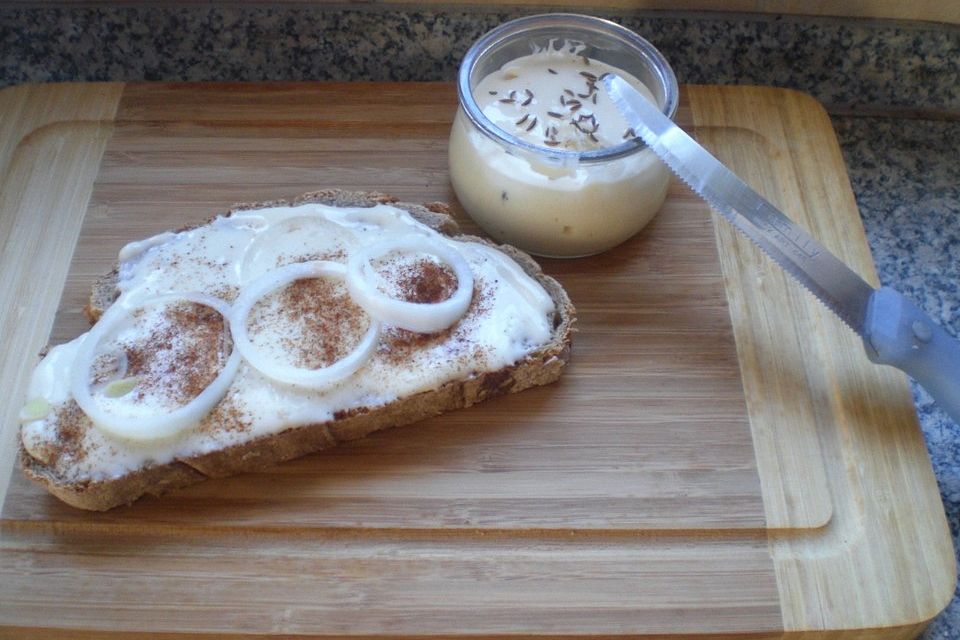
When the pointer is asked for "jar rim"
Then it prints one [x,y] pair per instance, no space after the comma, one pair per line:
[645,50]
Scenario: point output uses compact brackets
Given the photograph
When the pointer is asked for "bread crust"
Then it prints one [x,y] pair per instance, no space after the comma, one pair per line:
[538,368]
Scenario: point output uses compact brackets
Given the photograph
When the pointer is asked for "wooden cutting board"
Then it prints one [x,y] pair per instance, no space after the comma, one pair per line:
[720,457]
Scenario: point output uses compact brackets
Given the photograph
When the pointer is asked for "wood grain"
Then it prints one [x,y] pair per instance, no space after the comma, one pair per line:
[719,458]
[653,332]
[46,133]
[877,470]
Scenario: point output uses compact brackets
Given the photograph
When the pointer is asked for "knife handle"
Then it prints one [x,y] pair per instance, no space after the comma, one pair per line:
[898,333]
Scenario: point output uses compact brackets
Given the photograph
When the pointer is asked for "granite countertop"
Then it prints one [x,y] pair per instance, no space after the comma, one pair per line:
[892,89]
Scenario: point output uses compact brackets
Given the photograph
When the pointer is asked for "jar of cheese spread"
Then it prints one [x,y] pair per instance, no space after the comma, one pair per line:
[539,156]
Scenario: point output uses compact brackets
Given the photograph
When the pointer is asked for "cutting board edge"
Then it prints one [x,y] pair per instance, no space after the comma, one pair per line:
[38,107]
[103,115]
[859,429]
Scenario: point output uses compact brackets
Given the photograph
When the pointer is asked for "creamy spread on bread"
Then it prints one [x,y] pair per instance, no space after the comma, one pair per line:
[510,315]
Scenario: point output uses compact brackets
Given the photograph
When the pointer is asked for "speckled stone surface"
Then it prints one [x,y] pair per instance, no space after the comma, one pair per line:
[852,63]
[904,172]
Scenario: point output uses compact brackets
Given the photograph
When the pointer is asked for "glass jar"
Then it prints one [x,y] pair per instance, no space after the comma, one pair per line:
[553,197]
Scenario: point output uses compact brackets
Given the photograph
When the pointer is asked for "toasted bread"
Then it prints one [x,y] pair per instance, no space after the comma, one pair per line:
[538,367]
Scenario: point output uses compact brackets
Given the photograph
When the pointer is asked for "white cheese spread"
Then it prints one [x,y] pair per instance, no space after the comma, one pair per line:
[510,316]
[553,99]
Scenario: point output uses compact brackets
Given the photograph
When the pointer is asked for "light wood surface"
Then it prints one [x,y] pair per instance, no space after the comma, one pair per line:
[877,470]
[46,133]
[719,459]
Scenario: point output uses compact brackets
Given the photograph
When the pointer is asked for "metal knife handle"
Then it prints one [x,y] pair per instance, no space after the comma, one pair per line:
[897,333]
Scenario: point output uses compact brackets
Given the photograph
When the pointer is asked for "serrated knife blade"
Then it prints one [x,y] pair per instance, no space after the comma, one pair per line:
[894,331]
[826,276]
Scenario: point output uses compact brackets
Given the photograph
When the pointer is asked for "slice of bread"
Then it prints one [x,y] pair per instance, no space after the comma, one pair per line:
[539,367]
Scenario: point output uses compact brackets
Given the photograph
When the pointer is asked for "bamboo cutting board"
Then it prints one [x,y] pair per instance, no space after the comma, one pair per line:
[719,459]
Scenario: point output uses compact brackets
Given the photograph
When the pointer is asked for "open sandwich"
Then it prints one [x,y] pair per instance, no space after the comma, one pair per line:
[280,329]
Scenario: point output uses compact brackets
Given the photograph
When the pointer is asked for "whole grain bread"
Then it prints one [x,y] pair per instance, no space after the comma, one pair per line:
[540,367]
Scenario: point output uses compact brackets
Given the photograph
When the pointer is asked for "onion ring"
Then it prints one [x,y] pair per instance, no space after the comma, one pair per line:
[299,376]
[513,273]
[413,316]
[311,233]
[159,426]
[385,217]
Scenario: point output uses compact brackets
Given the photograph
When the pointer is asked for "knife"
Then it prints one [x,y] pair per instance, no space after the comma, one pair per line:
[894,330]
